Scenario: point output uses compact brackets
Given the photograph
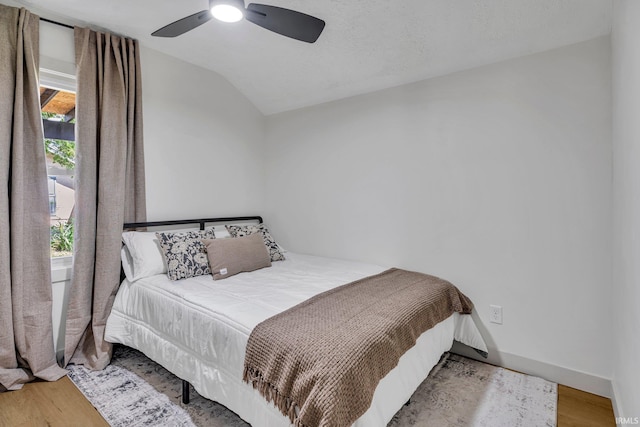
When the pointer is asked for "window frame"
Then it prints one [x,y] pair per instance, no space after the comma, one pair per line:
[58,80]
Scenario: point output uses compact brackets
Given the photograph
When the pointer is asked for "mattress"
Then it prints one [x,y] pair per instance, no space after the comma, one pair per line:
[198,329]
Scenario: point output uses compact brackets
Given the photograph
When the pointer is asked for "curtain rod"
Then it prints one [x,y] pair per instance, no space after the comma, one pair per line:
[56,23]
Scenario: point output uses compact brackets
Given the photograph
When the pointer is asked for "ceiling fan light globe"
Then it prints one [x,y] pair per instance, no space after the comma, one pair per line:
[226,13]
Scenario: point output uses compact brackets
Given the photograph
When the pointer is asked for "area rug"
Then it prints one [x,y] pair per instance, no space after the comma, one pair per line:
[460,392]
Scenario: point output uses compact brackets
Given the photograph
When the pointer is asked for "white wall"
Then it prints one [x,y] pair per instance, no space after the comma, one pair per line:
[203,139]
[626,207]
[203,142]
[497,178]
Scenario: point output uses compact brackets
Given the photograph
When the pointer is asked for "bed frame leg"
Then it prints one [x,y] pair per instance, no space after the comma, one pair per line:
[185,392]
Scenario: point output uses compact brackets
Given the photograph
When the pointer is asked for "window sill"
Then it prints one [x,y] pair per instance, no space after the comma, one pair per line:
[61,269]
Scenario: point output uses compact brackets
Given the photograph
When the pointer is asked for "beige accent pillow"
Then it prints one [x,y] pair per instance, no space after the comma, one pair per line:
[236,255]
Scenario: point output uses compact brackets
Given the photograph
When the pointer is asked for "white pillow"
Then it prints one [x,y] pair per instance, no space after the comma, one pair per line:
[127,262]
[221,232]
[147,258]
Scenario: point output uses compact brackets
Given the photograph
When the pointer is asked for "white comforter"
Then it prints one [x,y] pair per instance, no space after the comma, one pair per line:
[198,329]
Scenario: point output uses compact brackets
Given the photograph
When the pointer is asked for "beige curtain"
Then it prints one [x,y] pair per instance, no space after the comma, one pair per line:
[26,337]
[110,186]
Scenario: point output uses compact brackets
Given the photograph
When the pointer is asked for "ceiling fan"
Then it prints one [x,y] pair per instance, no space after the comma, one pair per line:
[286,22]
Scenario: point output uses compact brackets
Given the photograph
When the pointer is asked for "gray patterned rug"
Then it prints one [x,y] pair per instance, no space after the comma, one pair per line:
[460,392]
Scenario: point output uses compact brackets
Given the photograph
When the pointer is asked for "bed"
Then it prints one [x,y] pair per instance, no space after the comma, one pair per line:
[198,328]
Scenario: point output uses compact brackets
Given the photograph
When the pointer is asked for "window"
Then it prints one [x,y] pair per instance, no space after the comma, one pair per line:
[57,102]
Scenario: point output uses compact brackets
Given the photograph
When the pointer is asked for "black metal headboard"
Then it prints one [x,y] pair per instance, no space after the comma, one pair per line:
[201,222]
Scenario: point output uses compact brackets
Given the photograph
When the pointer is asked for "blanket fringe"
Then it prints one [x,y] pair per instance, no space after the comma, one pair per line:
[287,407]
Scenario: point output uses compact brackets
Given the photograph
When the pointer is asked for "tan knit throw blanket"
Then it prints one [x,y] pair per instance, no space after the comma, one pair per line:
[320,361]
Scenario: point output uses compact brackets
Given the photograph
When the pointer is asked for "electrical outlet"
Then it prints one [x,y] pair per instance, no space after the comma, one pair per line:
[495,314]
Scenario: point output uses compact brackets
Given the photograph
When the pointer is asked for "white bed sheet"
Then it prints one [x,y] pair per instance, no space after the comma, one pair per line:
[203,337]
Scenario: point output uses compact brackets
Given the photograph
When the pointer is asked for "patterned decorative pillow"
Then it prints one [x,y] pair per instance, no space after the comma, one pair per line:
[185,254]
[245,230]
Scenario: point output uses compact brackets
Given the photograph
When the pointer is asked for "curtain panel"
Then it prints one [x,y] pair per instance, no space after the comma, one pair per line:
[26,332]
[110,187]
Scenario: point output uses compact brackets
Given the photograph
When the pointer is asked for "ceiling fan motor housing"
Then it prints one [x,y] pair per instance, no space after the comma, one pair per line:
[236,3]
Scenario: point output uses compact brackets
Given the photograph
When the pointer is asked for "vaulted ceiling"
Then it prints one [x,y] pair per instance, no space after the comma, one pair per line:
[366,45]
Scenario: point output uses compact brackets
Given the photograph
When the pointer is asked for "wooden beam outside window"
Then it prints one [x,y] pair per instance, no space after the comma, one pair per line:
[47,96]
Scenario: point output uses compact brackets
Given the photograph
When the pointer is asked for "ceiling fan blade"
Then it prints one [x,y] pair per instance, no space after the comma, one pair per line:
[183,25]
[290,23]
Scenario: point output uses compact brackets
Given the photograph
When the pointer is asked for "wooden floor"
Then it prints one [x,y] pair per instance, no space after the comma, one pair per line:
[579,409]
[52,404]
[61,404]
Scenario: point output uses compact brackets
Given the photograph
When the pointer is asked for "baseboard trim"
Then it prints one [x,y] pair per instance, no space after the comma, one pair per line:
[558,374]
[617,410]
